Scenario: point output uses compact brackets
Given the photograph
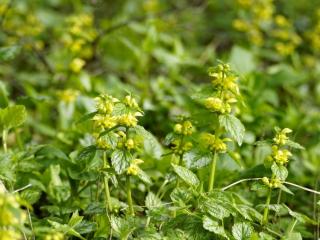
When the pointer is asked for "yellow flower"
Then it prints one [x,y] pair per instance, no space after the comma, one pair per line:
[241,25]
[7,234]
[128,120]
[214,143]
[177,128]
[77,64]
[68,95]
[130,101]
[214,104]
[105,122]
[105,103]
[130,144]
[281,21]
[281,137]
[187,128]
[281,156]
[133,169]
[54,236]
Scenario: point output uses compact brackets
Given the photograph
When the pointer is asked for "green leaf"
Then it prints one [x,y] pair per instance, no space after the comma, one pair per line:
[293,236]
[86,155]
[196,159]
[9,53]
[12,116]
[300,217]
[285,189]
[143,176]
[216,209]
[152,201]
[122,227]
[234,126]
[213,226]
[151,144]
[294,145]
[75,219]
[242,231]
[186,175]
[242,60]
[279,171]
[3,96]
[120,160]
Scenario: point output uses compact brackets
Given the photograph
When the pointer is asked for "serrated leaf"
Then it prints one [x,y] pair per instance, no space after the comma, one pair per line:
[151,144]
[294,145]
[86,155]
[242,231]
[122,227]
[196,159]
[233,126]
[120,160]
[12,116]
[213,226]
[144,177]
[186,175]
[152,201]
[279,171]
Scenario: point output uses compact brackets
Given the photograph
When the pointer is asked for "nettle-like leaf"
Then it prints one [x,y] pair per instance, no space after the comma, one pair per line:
[294,145]
[143,176]
[196,159]
[151,144]
[152,201]
[111,139]
[186,175]
[213,226]
[120,160]
[122,227]
[242,231]
[233,126]
[12,116]
[181,196]
[86,155]
[279,171]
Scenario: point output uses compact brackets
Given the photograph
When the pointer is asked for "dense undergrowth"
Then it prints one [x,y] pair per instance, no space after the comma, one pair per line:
[158,119]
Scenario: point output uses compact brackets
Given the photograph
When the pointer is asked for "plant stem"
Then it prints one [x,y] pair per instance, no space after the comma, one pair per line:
[106,185]
[266,208]
[213,171]
[4,140]
[129,197]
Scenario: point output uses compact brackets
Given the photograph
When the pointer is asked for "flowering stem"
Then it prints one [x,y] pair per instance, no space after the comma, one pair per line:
[106,185]
[213,171]
[266,208]
[129,197]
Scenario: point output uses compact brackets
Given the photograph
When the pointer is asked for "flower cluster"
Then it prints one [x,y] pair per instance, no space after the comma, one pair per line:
[260,20]
[112,112]
[272,183]
[134,169]
[180,137]
[227,90]
[11,216]
[68,95]
[280,154]
[185,128]
[54,236]
[32,29]
[78,38]
[214,143]
[117,117]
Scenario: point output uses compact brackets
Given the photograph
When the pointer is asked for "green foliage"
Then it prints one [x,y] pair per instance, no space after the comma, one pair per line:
[157,120]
